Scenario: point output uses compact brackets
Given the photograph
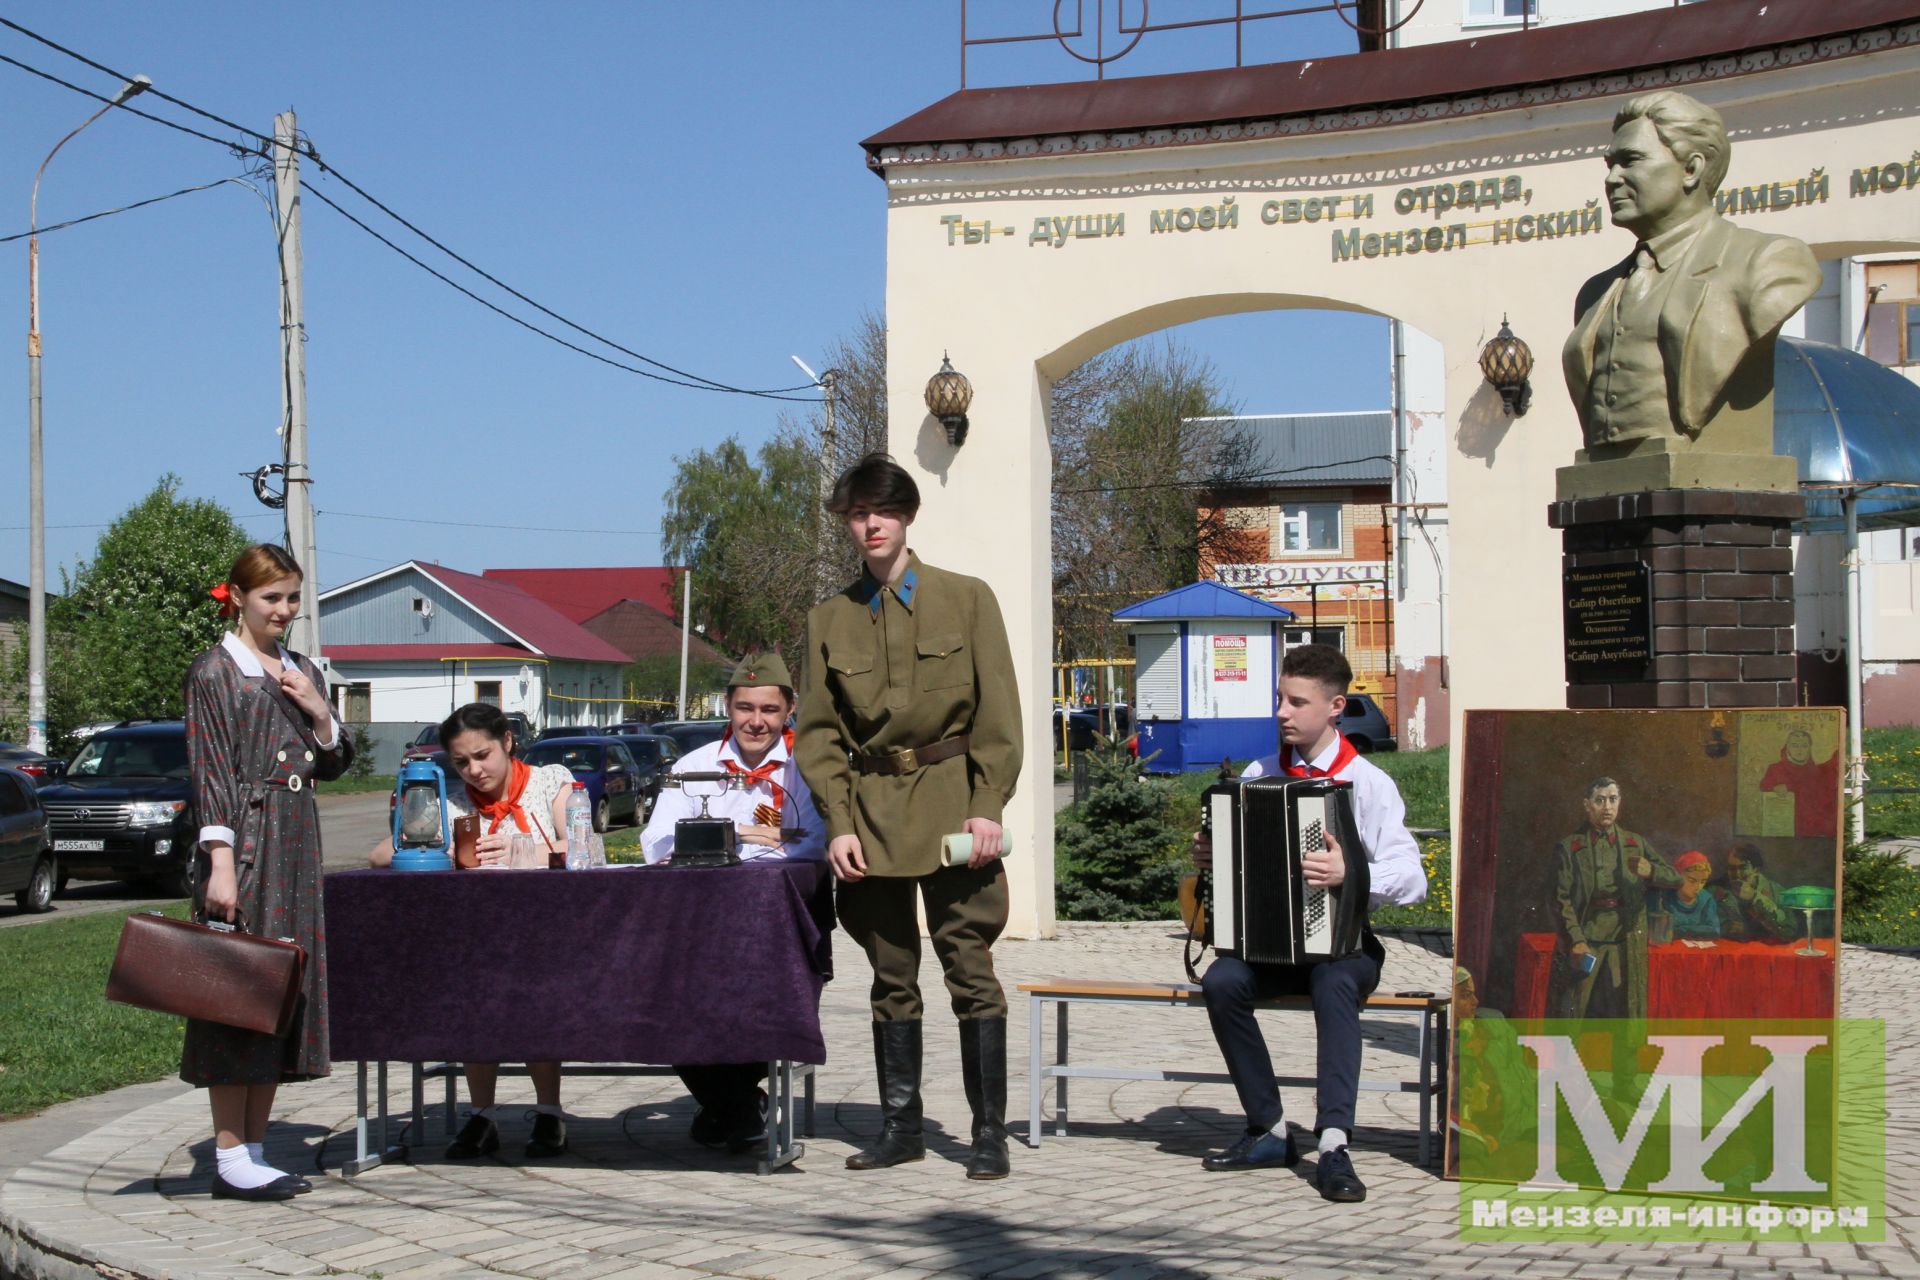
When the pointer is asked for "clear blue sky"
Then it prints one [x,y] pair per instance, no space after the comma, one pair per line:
[584,153]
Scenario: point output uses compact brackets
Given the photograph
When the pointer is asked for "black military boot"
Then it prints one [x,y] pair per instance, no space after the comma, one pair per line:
[983,1066]
[896,1060]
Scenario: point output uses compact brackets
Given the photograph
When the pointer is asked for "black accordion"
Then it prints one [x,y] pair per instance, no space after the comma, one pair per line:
[1259,905]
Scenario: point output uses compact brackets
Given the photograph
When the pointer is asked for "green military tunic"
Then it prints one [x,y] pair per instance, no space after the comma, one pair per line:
[1602,903]
[892,668]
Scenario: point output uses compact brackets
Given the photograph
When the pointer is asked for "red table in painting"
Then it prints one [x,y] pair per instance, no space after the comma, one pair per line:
[1727,980]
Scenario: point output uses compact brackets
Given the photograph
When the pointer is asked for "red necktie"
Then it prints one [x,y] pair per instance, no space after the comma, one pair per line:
[765,772]
[1343,756]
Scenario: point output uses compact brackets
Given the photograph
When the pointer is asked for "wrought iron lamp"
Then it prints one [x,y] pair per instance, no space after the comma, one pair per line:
[948,396]
[1506,361]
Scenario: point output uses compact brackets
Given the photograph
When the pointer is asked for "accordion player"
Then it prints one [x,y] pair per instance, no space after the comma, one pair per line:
[1258,902]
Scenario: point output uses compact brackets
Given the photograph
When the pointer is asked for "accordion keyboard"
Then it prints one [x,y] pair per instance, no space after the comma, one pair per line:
[1316,921]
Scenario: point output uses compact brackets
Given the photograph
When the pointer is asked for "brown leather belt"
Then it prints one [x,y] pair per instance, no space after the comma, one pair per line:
[904,762]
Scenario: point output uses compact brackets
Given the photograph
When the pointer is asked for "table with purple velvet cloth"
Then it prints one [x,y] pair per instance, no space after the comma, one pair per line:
[630,965]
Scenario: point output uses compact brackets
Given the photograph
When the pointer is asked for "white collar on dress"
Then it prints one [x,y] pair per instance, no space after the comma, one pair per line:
[1325,759]
[247,660]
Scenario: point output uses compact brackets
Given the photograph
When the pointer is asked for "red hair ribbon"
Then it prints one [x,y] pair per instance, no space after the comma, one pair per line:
[225,597]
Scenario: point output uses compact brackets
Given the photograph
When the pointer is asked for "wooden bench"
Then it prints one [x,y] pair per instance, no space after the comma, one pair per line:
[1063,994]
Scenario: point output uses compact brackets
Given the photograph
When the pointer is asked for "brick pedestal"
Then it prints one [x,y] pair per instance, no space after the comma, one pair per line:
[1722,564]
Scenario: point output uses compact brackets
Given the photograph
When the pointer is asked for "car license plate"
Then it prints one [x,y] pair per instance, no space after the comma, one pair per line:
[79,846]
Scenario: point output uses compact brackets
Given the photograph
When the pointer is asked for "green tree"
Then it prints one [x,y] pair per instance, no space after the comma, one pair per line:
[131,619]
[751,525]
[653,684]
[1121,855]
[1138,443]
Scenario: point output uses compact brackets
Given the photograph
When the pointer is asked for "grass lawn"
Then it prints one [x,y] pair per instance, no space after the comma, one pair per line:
[59,1036]
[352,786]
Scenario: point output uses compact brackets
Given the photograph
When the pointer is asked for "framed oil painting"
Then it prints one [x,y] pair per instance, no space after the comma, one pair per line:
[1640,865]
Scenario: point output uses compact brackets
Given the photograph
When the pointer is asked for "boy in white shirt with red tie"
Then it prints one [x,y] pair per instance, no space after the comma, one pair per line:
[1313,689]
[774,818]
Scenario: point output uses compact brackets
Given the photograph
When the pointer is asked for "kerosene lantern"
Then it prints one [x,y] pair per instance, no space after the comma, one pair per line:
[422,840]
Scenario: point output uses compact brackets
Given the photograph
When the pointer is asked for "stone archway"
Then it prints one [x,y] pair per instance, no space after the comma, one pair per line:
[1028,229]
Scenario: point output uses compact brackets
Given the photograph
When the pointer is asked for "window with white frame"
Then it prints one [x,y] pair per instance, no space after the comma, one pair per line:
[1308,526]
[1501,10]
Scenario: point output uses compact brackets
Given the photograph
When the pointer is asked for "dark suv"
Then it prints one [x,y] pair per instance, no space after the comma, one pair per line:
[124,810]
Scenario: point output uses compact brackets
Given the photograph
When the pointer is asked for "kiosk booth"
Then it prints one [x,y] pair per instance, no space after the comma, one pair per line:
[1205,663]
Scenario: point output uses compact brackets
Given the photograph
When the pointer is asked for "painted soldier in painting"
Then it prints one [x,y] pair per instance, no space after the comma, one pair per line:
[1601,876]
[259,732]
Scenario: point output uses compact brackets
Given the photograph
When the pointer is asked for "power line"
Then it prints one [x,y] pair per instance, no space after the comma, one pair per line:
[108,213]
[234,147]
[1226,482]
[694,381]
[498,310]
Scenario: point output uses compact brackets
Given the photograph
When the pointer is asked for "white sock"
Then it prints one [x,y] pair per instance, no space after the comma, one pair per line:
[257,1152]
[555,1111]
[237,1167]
[1332,1140]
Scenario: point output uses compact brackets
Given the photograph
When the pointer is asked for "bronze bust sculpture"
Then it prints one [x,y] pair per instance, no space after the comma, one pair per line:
[1670,362]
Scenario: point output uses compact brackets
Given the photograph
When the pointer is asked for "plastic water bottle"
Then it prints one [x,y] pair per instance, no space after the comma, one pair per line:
[579,829]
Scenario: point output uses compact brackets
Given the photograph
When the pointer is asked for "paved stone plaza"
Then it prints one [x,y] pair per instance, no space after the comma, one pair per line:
[1122,1196]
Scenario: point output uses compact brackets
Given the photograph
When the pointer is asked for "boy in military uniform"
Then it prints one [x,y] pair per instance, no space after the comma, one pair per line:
[910,732]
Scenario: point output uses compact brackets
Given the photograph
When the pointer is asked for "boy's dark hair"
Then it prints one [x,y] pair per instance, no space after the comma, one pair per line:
[877,482]
[1318,662]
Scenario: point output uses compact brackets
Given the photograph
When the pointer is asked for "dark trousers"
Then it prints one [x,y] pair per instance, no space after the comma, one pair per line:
[1337,988]
[725,1089]
[966,910]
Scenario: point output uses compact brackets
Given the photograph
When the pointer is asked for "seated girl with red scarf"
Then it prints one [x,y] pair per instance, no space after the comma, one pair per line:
[774,818]
[510,797]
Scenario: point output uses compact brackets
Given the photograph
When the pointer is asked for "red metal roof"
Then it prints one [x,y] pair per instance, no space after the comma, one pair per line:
[579,594]
[1712,28]
[533,620]
[641,632]
[422,652]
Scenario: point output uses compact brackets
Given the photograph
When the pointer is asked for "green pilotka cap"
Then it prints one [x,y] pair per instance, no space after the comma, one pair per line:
[757,669]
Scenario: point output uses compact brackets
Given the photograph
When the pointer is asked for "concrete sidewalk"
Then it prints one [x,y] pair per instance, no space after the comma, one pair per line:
[1122,1196]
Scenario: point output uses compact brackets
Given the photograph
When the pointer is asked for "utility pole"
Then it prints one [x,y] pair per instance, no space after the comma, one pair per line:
[304,635]
[686,631]
[36,471]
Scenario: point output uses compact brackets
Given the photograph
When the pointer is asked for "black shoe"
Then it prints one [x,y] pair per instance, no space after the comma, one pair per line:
[1255,1151]
[709,1128]
[278,1189]
[478,1137]
[1337,1180]
[896,1060]
[300,1185]
[983,1068]
[549,1137]
[749,1128]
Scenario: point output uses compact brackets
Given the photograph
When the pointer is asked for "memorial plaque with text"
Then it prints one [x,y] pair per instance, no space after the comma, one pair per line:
[1609,623]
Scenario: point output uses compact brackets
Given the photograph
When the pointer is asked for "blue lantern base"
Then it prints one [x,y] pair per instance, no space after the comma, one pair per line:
[422,860]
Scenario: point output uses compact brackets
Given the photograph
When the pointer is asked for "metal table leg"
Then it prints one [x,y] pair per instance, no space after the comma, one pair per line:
[782,1150]
[1036,1080]
[1060,1057]
[371,1144]
[1426,1082]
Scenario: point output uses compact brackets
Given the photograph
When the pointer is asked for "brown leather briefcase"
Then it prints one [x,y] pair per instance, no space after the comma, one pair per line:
[201,971]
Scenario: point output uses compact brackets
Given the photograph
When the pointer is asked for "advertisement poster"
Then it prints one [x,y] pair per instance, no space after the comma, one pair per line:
[1230,658]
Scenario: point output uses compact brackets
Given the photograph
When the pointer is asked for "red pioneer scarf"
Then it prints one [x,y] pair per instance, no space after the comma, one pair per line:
[509,804]
[1343,756]
[764,773]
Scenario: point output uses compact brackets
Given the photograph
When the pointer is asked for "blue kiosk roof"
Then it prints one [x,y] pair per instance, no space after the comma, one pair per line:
[1200,600]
